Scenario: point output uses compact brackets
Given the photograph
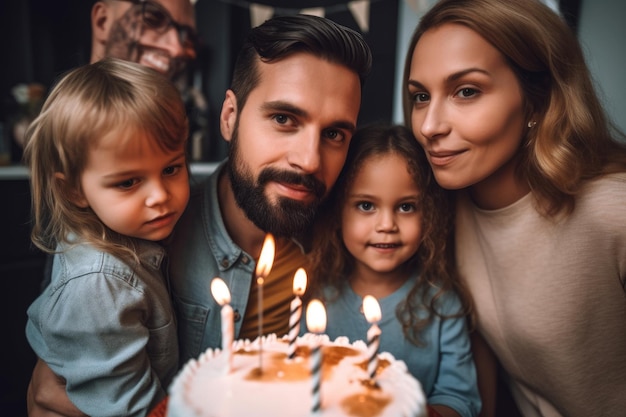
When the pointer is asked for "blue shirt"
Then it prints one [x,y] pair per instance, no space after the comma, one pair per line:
[444,365]
[108,328]
[201,249]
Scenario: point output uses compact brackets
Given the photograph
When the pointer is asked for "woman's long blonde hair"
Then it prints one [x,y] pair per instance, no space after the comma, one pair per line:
[86,104]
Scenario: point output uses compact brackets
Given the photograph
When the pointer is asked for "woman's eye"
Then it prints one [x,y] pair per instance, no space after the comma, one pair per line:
[467,92]
[420,97]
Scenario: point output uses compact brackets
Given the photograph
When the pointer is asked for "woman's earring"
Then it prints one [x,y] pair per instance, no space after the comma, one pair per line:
[532,123]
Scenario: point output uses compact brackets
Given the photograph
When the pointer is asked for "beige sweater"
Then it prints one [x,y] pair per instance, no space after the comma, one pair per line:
[550,298]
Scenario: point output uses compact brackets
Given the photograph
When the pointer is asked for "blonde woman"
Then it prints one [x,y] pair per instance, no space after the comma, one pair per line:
[498,94]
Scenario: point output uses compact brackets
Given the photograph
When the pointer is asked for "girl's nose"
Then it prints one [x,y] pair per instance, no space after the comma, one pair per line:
[386,222]
[158,194]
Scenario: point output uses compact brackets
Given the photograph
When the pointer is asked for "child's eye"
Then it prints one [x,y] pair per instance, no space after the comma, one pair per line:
[174,169]
[407,208]
[365,206]
[125,185]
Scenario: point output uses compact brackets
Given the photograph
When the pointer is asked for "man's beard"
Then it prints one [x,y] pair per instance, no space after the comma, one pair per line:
[284,218]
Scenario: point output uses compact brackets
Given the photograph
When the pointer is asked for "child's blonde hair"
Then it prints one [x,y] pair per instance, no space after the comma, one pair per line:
[88,103]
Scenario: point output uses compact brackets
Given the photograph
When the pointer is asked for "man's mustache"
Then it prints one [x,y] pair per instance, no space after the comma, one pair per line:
[290,177]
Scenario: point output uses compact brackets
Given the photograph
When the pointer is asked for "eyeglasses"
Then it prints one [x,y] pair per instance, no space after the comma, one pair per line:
[158,19]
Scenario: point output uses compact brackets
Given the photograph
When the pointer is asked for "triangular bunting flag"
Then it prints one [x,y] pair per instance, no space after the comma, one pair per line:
[419,6]
[314,11]
[259,13]
[360,10]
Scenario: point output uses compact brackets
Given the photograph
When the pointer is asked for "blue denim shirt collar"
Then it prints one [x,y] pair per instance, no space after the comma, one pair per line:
[224,250]
[150,253]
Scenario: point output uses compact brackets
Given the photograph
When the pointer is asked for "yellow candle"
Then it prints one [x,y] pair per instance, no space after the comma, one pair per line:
[263,268]
[222,296]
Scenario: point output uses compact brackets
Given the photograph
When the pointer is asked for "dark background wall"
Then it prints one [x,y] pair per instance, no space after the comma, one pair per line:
[42,39]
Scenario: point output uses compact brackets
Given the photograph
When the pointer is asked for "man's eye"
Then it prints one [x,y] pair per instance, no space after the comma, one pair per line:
[281,119]
[335,135]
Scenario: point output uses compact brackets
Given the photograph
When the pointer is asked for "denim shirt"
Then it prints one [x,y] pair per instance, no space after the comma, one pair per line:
[444,365]
[108,328]
[201,249]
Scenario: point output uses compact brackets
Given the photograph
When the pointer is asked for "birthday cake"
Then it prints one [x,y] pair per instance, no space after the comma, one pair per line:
[259,380]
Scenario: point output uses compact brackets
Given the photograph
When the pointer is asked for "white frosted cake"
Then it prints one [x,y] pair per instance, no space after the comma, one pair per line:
[205,388]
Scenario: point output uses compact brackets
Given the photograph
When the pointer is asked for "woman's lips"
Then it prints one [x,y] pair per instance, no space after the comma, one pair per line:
[441,158]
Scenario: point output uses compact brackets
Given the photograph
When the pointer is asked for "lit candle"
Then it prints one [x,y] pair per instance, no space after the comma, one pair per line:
[299,286]
[222,296]
[316,322]
[373,316]
[263,268]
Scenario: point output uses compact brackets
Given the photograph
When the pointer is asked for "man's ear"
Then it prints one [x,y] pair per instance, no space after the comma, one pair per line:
[101,21]
[75,196]
[228,115]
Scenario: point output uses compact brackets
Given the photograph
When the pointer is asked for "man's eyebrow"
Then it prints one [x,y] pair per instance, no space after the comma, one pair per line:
[283,106]
[344,124]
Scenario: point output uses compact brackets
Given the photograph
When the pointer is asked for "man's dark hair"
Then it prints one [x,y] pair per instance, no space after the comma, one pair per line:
[283,36]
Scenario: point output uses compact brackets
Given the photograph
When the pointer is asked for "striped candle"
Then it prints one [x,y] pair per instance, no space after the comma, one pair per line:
[299,286]
[373,316]
[316,322]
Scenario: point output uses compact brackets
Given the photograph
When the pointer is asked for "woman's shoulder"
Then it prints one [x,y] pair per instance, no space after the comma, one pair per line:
[610,180]
[603,194]
[599,208]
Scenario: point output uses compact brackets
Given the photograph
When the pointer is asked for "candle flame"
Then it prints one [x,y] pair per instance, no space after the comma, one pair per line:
[316,316]
[299,282]
[371,309]
[220,292]
[266,259]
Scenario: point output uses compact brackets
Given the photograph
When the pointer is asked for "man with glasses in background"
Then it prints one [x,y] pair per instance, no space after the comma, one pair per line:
[159,34]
